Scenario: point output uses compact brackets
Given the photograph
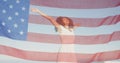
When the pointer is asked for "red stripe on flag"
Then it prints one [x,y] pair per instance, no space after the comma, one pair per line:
[78,4]
[46,56]
[98,39]
[86,22]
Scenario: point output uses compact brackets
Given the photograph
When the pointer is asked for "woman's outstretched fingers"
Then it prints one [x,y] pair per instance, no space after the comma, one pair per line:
[35,10]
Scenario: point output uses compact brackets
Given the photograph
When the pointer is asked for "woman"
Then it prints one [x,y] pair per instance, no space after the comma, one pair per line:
[65,27]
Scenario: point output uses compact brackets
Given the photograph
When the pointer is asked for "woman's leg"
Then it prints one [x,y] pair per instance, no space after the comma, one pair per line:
[67,52]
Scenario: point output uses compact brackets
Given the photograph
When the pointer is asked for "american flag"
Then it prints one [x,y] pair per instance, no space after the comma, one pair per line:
[14,18]
[27,37]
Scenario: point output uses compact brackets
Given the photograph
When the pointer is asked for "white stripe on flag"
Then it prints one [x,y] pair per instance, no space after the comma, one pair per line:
[18,60]
[79,13]
[83,31]
[10,59]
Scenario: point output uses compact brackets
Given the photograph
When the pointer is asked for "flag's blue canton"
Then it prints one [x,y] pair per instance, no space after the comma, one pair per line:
[14,18]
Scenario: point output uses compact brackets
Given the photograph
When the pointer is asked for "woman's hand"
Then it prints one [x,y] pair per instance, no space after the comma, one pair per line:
[77,25]
[35,10]
[38,11]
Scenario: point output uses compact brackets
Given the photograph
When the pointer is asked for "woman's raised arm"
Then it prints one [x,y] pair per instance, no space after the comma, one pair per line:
[76,25]
[52,20]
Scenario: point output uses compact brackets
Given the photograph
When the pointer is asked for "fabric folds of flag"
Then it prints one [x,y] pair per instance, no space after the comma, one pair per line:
[27,37]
